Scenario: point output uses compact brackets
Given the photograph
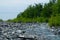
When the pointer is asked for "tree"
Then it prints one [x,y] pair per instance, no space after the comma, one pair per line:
[47,10]
[32,11]
[53,1]
[1,20]
[54,20]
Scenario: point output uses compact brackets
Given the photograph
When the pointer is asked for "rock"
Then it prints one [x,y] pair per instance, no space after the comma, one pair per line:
[19,31]
[27,30]
[58,32]
[0,31]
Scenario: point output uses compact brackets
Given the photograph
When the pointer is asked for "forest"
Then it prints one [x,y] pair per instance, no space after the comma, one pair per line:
[49,13]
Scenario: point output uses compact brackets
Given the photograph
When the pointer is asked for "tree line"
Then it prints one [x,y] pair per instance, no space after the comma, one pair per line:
[49,13]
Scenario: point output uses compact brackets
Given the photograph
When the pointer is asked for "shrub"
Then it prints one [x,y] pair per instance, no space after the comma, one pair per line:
[54,20]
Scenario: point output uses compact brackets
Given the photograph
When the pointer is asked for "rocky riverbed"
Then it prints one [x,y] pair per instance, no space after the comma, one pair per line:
[33,31]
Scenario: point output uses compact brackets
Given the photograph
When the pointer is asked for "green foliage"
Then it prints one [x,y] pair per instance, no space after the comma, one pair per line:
[54,20]
[55,17]
[49,12]
[53,1]
[32,11]
[1,20]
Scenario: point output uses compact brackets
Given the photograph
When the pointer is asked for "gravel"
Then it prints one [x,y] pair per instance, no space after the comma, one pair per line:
[41,31]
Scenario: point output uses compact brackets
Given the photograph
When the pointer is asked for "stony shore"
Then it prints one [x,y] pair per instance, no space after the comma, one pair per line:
[27,31]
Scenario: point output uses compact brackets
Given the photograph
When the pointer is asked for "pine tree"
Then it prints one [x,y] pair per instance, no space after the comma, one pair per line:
[53,1]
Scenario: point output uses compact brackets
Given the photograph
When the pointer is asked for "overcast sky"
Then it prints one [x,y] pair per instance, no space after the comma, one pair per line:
[9,9]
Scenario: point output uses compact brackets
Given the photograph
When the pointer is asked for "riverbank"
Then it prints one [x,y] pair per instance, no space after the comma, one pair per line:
[11,31]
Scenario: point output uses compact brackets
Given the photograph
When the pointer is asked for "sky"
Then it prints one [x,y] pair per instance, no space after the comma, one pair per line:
[9,9]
